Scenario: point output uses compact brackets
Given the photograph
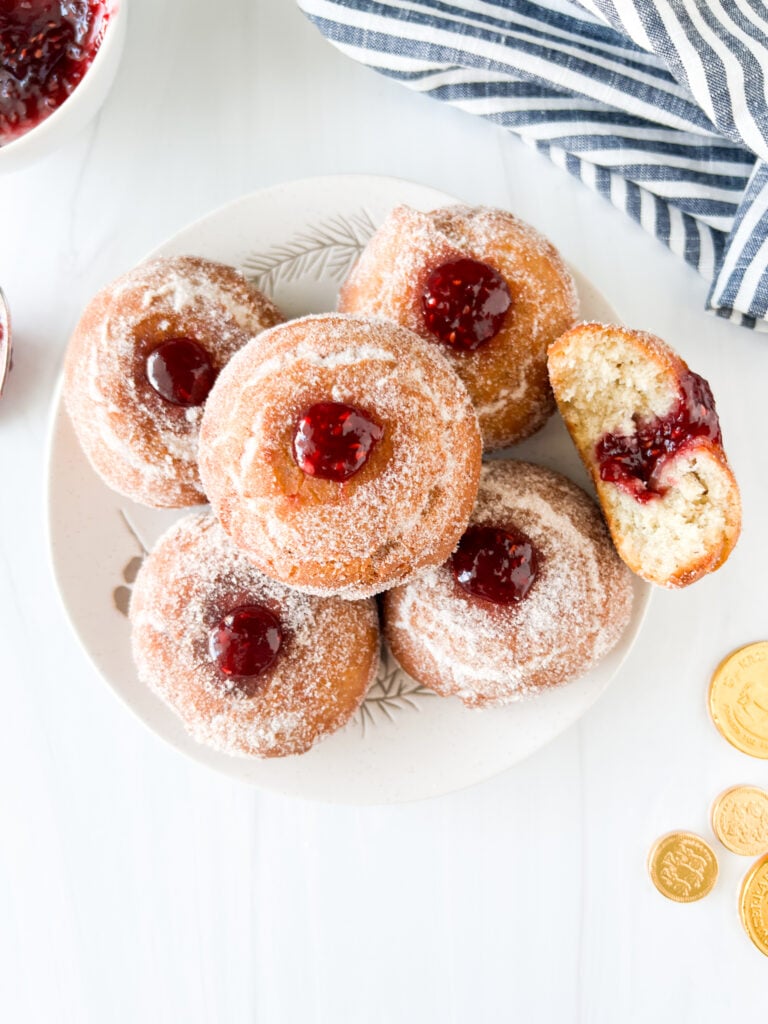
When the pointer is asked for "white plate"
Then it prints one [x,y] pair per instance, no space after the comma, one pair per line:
[298,240]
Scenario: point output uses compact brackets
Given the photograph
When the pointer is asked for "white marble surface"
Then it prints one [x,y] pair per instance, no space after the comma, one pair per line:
[138,886]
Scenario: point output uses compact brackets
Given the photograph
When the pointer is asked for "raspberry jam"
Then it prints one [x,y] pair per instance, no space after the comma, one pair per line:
[244,644]
[465,303]
[333,441]
[499,565]
[46,47]
[180,370]
[634,461]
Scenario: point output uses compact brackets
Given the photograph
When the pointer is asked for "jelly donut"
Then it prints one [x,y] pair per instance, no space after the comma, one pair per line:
[140,364]
[251,667]
[488,290]
[533,596]
[647,430]
[341,454]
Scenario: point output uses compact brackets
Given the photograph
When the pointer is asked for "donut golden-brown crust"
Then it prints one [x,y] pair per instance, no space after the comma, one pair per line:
[403,511]
[576,610]
[328,658]
[607,379]
[141,445]
[507,376]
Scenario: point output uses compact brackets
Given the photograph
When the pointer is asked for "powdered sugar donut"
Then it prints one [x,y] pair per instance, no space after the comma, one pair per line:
[342,455]
[534,595]
[487,286]
[251,667]
[140,364]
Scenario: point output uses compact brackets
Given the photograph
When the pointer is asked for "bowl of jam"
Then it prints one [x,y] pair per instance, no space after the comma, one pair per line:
[58,59]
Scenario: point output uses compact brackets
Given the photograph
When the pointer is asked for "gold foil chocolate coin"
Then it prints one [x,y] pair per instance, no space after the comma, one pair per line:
[740,820]
[753,904]
[738,699]
[683,867]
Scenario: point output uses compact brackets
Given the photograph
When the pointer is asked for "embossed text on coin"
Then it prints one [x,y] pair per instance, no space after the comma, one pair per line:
[683,867]
[740,820]
[738,699]
[753,904]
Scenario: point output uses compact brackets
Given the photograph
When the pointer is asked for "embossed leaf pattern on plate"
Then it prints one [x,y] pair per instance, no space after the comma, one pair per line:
[393,691]
[327,249]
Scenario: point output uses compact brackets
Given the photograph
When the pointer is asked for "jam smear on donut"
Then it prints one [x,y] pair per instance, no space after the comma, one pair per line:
[634,461]
[46,47]
[465,303]
[494,563]
[244,644]
[180,371]
[332,440]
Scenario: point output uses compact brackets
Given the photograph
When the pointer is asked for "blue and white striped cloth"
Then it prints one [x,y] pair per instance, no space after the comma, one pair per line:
[659,105]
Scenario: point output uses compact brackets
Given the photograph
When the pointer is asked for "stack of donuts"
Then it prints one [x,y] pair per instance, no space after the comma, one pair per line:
[342,458]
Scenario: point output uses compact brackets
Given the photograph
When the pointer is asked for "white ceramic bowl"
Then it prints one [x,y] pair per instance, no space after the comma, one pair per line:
[78,109]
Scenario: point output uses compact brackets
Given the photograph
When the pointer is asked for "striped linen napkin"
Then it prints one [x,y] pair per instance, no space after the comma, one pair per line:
[659,105]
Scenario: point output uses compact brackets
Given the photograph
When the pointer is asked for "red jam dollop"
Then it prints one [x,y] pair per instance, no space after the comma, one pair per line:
[332,441]
[180,370]
[634,461]
[499,565]
[244,645]
[46,47]
[465,303]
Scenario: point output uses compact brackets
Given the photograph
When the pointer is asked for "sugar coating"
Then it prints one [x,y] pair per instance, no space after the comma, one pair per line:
[506,377]
[403,511]
[329,656]
[575,612]
[606,378]
[141,445]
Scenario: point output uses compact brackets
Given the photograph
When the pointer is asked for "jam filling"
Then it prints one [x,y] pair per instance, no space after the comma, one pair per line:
[633,462]
[180,370]
[244,645]
[332,441]
[46,47]
[498,565]
[465,303]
